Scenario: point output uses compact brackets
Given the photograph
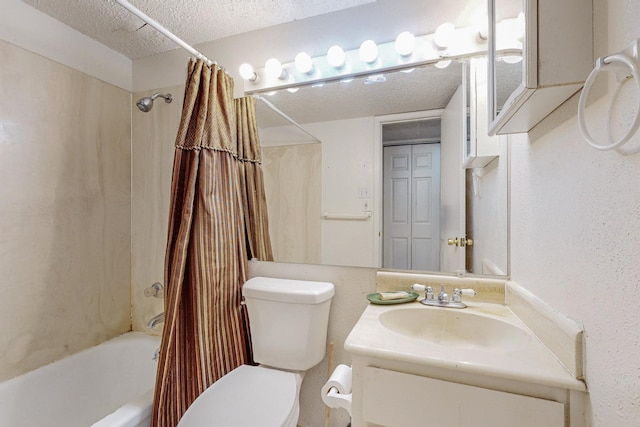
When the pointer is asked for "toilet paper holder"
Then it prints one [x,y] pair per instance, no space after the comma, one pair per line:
[336,392]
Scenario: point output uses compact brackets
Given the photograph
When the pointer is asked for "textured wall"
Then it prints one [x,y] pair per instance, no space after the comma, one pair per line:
[64,211]
[575,226]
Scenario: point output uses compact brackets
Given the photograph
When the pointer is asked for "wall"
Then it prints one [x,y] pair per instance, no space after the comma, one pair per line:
[64,210]
[346,169]
[488,207]
[575,226]
[153,138]
[293,187]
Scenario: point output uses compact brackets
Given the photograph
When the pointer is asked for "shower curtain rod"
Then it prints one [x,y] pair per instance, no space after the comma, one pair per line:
[168,34]
[286,117]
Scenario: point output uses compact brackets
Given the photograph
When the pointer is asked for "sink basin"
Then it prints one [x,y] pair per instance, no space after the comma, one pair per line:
[454,328]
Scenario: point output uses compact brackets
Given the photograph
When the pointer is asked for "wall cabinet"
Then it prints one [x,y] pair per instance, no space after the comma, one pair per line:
[540,53]
[478,147]
[396,399]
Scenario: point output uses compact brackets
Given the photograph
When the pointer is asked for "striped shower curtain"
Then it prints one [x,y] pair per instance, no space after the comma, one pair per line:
[252,181]
[206,330]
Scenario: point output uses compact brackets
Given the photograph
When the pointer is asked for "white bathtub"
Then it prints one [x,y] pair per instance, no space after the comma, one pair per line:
[107,386]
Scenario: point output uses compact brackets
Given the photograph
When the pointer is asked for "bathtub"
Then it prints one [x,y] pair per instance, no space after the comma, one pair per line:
[105,386]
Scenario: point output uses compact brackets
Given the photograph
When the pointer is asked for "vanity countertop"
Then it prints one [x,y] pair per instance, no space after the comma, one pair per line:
[529,361]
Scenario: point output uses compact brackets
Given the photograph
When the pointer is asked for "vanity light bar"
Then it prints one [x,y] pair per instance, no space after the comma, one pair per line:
[464,44]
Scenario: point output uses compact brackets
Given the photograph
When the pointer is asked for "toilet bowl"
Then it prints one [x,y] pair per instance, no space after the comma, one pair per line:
[248,396]
[288,321]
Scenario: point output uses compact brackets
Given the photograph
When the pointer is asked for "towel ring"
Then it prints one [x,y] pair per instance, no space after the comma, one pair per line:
[603,64]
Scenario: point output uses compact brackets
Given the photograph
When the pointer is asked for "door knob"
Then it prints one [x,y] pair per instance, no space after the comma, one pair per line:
[466,242]
[453,242]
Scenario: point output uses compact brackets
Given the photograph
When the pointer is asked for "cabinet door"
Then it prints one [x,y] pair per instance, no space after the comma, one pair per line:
[395,399]
[480,148]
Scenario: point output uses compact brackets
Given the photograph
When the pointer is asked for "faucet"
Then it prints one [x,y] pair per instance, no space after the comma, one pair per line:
[443,297]
[158,318]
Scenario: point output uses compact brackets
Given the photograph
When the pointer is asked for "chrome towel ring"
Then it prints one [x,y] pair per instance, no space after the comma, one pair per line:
[628,58]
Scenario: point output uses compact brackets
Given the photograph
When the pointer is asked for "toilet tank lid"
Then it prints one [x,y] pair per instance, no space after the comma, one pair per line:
[287,290]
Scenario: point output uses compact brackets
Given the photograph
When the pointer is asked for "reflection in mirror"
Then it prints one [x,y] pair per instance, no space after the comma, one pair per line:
[326,199]
[507,69]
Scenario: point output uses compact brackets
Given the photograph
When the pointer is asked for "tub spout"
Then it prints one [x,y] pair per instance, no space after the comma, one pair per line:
[159,318]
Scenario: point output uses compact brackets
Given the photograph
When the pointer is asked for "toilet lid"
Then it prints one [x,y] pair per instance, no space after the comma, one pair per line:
[247,396]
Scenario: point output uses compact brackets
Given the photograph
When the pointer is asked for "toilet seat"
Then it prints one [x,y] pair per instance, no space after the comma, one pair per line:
[248,396]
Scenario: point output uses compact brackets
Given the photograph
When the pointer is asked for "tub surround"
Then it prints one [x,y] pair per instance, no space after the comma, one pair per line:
[65,210]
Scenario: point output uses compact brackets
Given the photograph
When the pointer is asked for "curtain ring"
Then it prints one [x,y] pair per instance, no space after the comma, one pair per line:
[602,64]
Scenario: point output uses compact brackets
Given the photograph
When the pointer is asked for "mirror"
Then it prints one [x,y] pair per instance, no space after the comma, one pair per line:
[326,198]
[507,65]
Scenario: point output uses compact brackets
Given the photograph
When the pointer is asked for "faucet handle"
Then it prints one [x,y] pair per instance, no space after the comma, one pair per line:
[428,290]
[156,290]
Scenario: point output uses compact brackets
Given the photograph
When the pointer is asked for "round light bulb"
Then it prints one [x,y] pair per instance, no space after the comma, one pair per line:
[405,43]
[369,51]
[336,56]
[512,59]
[273,68]
[444,63]
[247,73]
[444,35]
[304,64]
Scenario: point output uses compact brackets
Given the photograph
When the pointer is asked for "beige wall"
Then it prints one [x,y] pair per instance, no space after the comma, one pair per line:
[64,210]
[152,149]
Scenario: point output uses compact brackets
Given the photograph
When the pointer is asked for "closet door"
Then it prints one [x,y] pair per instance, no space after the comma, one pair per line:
[411,227]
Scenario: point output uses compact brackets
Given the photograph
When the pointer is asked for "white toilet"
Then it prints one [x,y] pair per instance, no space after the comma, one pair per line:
[288,320]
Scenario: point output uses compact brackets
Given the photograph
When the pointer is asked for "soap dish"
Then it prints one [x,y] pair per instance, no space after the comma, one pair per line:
[375,299]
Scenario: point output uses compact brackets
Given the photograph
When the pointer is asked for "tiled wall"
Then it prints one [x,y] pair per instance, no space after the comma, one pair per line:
[64,211]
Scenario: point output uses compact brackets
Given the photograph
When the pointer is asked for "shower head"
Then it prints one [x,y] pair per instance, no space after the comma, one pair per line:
[145,104]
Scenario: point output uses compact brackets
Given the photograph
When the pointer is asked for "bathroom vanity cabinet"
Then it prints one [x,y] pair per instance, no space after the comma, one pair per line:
[391,398]
[537,59]
[481,368]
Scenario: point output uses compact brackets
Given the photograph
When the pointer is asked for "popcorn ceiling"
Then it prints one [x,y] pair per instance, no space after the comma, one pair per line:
[194,21]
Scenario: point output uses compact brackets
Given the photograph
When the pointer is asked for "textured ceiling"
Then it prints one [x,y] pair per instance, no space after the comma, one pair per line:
[199,21]
[425,88]
[194,21]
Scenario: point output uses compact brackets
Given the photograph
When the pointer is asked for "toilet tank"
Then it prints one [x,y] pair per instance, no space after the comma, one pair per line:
[288,320]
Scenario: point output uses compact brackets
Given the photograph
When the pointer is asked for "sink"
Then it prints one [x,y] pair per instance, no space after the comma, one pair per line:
[454,328]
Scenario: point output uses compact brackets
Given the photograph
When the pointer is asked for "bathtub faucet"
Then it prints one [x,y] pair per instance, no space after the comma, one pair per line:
[159,318]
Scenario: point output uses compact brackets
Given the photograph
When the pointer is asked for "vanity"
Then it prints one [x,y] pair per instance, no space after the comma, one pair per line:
[416,365]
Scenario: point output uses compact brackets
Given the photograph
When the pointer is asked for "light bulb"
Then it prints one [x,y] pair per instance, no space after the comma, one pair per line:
[369,51]
[405,43]
[247,73]
[304,64]
[512,59]
[336,56]
[444,35]
[443,63]
[273,68]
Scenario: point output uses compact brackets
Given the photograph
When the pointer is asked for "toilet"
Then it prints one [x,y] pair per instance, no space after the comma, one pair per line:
[288,320]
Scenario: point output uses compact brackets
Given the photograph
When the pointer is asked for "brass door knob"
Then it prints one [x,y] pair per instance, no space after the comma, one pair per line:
[466,242]
[453,242]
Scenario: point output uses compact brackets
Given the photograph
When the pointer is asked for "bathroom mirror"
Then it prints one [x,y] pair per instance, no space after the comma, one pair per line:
[325,197]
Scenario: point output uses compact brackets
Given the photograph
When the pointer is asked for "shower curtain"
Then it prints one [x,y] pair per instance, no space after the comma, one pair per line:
[252,181]
[206,330]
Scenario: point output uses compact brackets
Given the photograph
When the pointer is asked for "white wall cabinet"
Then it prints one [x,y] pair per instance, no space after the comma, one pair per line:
[479,149]
[554,40]
[396,399]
